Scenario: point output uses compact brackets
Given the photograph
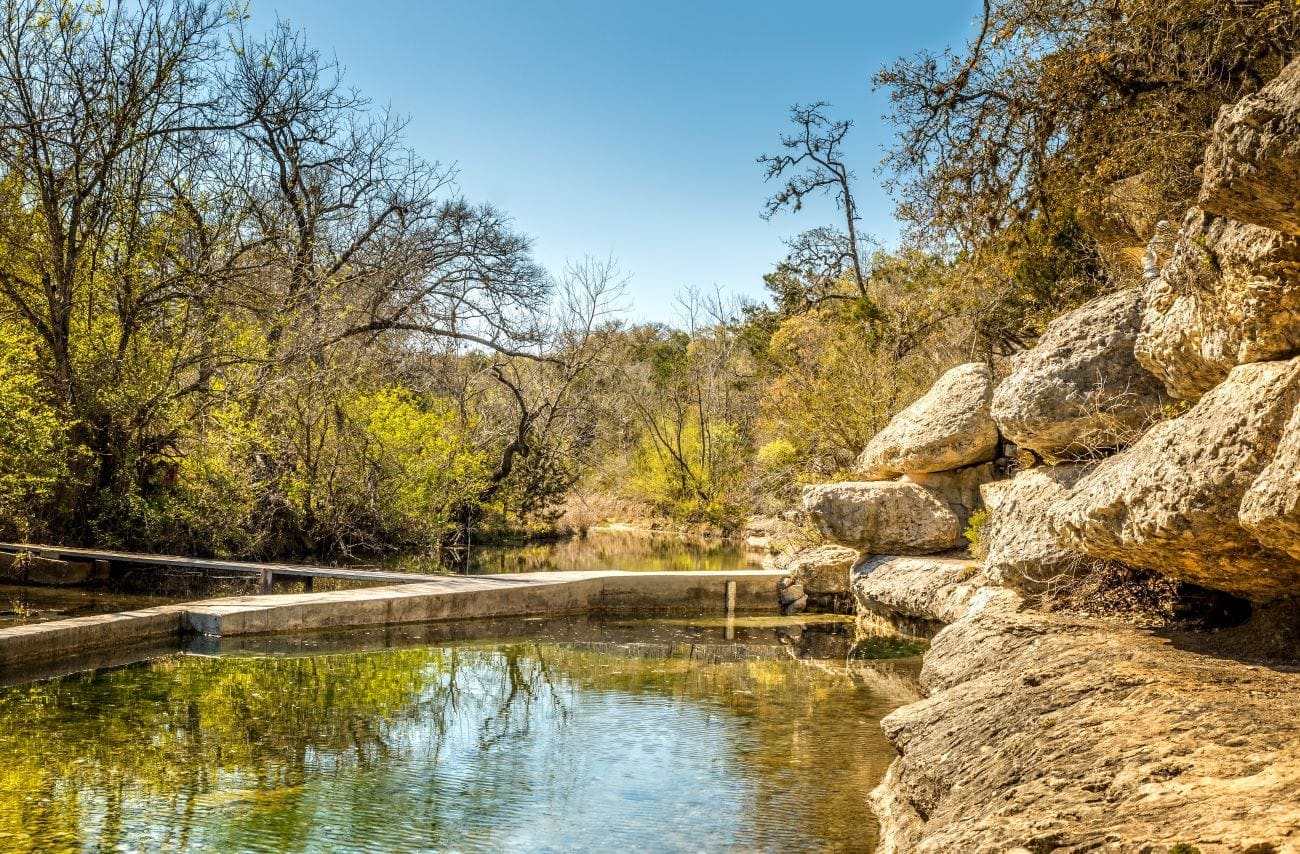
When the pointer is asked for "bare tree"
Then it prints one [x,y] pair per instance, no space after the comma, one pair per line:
[814,154]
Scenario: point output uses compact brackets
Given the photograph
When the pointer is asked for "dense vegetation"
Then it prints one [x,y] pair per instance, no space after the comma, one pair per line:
[238,315]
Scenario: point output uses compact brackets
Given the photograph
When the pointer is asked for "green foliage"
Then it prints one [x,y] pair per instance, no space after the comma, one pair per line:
[1184,848]
[975,532]
[34,439]
[697,475]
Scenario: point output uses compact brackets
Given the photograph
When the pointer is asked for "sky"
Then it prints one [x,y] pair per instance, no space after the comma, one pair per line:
[631,129]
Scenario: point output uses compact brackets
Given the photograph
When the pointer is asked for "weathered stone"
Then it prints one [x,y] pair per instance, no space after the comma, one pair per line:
[1079,390]
[1252,166]
[1271,508]
[882,517]
[1046,733]
[1019,549]
[947,428]
[788,590]
[932,589]
[820,569]
[41,570]
[959,489]
[1229,295]
[1170,501]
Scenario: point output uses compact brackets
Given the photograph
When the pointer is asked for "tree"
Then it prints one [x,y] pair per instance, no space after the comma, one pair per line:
[816,148]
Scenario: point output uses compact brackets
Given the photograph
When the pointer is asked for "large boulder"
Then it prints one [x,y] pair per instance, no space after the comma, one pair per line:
[1018,546]
[1170,502]
[947,428]
[1271,508]
[959,489]
[1079,389]
[1252,166]
[1229,295]
[882,517]
[820,570]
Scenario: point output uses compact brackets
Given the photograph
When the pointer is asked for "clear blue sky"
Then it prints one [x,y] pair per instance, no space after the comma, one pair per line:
[631,128]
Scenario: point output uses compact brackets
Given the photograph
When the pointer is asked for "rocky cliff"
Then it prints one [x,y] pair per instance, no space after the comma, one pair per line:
[1164,426]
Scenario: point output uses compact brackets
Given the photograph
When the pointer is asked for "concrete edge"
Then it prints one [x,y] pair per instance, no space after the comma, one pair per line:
[453,598]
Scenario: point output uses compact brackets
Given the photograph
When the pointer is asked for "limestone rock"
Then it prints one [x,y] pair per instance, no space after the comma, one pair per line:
[959,489]
[1079,389]
[1170,501]
[1271,508]
[819,569]
[882,517]
[1252,166]
[930,589]
[1229,295]
[1020,550]
[947,428]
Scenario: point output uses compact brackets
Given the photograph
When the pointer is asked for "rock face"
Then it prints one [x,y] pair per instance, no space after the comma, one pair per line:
[1252,167]
[1170,502]
[1020,550]
[1271,508]
[948,428]
[1044,733]
[882,517]
[959,489]
[819,569]
[1079,389]
[1229,295]
[931,590]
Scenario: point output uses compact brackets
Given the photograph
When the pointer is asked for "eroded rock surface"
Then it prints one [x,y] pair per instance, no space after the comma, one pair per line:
[1252,167]
[1170,502]
[959,489]
[1043,733]
[929,589]
[819,569]
[947,428]
[1271,508]
[1080,389]
[1229,295]
[882,517]
[1020,550]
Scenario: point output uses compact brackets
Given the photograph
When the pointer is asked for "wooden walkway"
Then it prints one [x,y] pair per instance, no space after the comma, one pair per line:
[265,572]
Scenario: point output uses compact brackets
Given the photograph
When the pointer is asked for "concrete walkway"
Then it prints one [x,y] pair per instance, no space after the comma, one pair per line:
[447,598]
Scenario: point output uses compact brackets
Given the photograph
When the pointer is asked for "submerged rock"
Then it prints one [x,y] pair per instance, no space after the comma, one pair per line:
[882,517]
[1170,502]
[1020,550]
[1079,389]
[1252,166]
[1229,295]
[947,428]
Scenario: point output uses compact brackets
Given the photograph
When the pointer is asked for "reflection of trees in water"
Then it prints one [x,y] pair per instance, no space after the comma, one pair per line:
[89,757]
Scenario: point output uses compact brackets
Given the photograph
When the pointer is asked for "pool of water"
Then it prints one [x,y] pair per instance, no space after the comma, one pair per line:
[20,604]
[564,735]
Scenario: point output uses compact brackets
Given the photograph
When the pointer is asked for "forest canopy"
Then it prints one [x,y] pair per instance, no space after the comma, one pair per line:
[239,314]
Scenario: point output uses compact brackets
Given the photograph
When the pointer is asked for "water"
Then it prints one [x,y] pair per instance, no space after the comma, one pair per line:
[557,736]
[599,550]
[20,604]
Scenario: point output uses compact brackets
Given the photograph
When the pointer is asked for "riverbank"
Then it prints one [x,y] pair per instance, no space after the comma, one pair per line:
[1052,732]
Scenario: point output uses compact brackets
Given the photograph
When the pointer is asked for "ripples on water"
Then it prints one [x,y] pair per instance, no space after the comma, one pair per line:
[599,736]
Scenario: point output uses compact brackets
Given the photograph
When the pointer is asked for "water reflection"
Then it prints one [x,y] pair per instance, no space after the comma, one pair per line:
[599,550]
[587,736]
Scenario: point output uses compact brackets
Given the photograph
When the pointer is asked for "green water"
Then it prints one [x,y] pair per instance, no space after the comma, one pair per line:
[599,550]
[562,736]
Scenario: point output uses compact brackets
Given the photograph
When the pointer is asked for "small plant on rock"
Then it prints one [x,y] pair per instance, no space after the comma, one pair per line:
[976,530]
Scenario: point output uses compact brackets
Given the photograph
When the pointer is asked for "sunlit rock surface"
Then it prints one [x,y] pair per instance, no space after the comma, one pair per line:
[1080,389]
[947,428]
[1230,294]
[1252,167]
[1170,502]
[1020,550]
[882,517]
